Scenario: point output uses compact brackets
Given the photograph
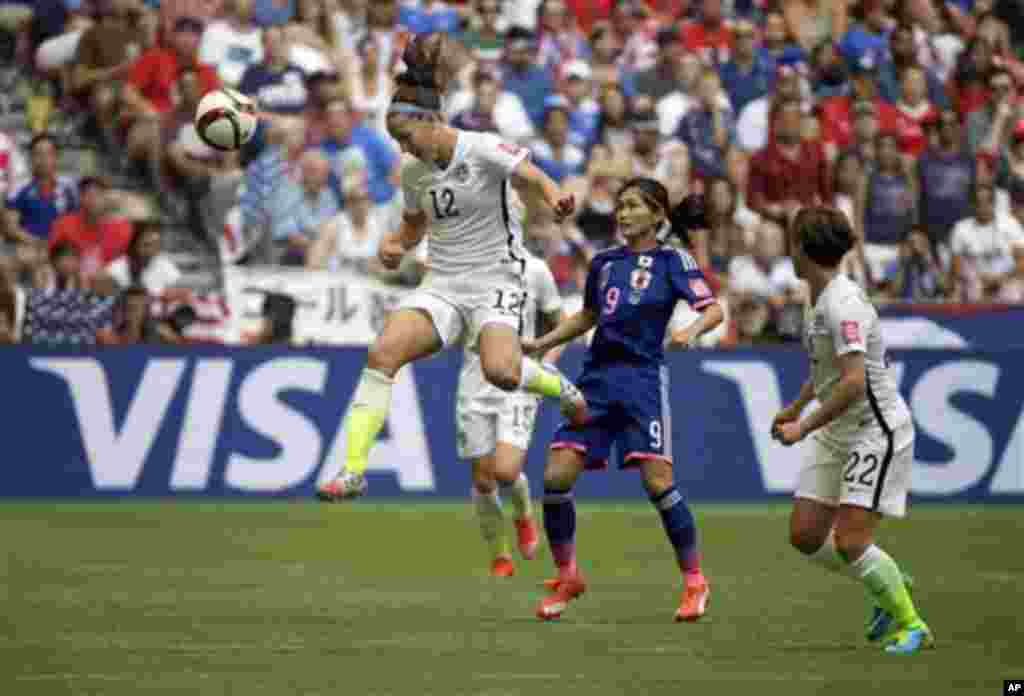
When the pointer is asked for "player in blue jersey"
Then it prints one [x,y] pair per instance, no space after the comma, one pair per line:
[631,291]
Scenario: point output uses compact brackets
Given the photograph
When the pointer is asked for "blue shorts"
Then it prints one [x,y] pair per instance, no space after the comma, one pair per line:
[628,407]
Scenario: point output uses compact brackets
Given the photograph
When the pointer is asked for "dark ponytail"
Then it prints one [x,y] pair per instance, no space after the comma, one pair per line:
[690,214]
[431,62]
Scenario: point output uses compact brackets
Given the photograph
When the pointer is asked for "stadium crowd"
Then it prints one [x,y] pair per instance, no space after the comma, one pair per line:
[904,114]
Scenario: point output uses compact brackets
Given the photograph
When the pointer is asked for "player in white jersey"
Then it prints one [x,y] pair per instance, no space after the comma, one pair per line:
[494,428]
[457,187]
[858,465]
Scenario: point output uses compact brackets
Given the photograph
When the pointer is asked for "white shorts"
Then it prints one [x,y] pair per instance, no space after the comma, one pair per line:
[460,309]
[480,427]
[872,473]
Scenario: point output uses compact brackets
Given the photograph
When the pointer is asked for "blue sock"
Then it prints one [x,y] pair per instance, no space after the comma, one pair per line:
[560,527]
[680,528]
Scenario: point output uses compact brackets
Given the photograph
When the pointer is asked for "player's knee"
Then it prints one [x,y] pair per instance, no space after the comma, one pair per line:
[559,478]
[850,544]
[502,372]
[657,480]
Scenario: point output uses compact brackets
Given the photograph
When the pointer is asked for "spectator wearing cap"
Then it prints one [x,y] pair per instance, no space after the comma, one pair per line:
[662,78]
[776,46]
[987,253]
[106,53]
[552,151]
[746,77]
[347,141]
[836,113]
[902,54]
[233,43]
[789,172]
[709,37]
[149,93]
[914,111]
[99,236]
[945,178]
[558,40]
[277,84]
[485,38]
[708,129]
[886,208]
[488,108]
[521,76]
[33,207]
[584,112]
[753,127]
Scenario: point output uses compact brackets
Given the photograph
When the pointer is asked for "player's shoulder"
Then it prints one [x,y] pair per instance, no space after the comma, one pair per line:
[412,169]
[678,255]
[478,143]
[610,254]
[845,296]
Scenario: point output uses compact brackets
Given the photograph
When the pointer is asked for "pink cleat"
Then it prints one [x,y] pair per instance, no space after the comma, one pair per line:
[563,590]
[694,600]
[502,567]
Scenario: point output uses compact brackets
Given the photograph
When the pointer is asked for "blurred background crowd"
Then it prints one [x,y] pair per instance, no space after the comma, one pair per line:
[904,114]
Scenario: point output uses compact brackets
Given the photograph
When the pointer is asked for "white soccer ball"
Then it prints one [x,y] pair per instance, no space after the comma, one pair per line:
[226,119]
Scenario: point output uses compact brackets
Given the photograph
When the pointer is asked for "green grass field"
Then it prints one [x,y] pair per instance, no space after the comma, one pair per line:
[394,599]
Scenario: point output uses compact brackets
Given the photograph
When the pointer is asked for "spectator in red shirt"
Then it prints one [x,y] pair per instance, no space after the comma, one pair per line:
[99,237]
[710,37]
[789,172]
[914,111]
[149,92]
[836,115]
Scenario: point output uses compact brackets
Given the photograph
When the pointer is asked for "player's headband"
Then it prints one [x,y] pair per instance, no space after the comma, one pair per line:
[402,107]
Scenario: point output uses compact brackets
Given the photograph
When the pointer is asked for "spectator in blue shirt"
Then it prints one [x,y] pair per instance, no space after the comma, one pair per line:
[521,76]
[344,136]
[945,176]
[746,77]
[430,17]
[776,47]
[552,152]
[268,13]
[276,84]
[303,207]
[708,129]
[584,111]
[32,208]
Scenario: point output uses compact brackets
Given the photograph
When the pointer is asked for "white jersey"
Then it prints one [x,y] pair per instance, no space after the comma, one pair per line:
[540,297]
[844,321]
[470,226]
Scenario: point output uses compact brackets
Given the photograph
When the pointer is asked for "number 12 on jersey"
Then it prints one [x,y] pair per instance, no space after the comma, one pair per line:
[444,204]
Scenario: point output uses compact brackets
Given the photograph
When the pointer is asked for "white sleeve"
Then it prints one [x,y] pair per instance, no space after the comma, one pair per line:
[958,239]
[498,157]
[849,321]
[750,132]
[548,298]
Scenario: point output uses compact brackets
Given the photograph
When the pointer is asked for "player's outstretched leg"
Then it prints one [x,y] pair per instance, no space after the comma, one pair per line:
[408,335]
[681,530]
[564,465]
[492,528]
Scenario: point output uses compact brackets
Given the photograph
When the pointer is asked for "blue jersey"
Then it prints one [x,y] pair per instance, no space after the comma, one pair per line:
[633,295]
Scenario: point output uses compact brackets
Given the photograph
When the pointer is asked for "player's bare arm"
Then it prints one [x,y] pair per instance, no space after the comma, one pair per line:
[394,245]
[538,190]
[573,327]
[793,411]
[850,388]
[709,319]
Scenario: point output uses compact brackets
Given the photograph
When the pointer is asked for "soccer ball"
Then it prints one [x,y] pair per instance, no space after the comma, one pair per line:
[226,119]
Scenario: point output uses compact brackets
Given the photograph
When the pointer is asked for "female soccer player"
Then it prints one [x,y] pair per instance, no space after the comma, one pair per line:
[494,428]
[456,187]
[858,467]
[630,293]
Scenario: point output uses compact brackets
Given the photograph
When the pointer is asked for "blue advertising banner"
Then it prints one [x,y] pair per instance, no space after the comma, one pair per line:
[265,422]
[952,326]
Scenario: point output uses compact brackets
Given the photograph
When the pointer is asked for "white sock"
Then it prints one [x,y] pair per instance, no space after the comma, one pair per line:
[518,492]
[492,521]
[373,390]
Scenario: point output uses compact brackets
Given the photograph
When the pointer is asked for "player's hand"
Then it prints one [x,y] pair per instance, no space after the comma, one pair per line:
[529,346]
[784,416]
[790,433]
[565,207]
[390,252]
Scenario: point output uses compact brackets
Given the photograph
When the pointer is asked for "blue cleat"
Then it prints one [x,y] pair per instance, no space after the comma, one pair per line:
[911,639]
[880,624]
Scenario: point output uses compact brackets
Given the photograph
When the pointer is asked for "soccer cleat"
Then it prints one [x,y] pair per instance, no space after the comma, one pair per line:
[881,623]
[563,591]
[693,602]
[911,639]
[502,567]
[526,537]
[345,487]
